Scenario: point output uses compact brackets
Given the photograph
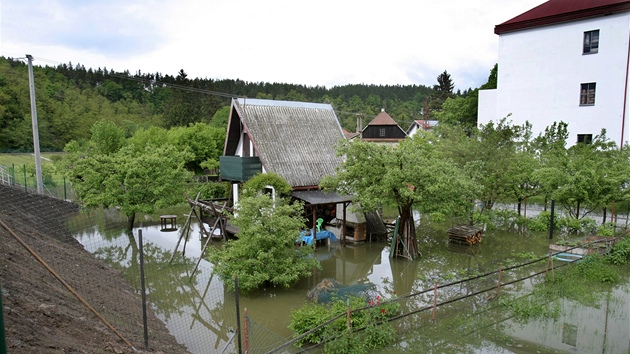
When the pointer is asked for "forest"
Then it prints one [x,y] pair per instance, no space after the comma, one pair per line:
[71,98]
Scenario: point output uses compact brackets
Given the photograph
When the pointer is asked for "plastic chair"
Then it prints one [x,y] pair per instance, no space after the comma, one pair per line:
[320,221]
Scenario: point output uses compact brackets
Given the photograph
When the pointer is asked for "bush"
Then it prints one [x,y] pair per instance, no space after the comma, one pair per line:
[541,221]
[620,253]
[607,229]
[572,225]
[375,335]
[593,266]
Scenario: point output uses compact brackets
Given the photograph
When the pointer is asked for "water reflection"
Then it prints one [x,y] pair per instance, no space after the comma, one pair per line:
[201,313]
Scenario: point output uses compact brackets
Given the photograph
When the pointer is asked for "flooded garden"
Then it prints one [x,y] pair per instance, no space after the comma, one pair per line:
[201,312]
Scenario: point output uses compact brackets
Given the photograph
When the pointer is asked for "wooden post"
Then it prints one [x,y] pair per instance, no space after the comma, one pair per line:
[343,226]
[434,300]
[246,331]
[314,226]
[548,261]
[499,281]
[348,313]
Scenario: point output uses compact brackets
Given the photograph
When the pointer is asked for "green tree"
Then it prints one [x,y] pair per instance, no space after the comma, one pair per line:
[265,251]
[108,175]
[202,141]
[588,176]
[409,176]
[489,157]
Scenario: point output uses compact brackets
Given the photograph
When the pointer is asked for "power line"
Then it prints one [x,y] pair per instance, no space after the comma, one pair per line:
[155,82]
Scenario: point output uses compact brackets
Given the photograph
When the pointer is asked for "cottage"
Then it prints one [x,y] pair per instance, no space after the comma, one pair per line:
[383,129]
[295,140]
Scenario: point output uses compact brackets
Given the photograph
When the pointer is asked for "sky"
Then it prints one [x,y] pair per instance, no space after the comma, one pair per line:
[312,43]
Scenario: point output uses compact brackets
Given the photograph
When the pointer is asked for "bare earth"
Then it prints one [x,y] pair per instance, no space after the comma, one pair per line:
[40,314]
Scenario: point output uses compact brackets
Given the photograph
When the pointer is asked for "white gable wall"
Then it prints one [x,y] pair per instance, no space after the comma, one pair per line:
[541,69]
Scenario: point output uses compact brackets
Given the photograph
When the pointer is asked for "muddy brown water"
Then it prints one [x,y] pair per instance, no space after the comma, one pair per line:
[201,313]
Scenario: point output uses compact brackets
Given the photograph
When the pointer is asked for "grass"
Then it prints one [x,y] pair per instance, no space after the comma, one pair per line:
[24,159]
[19,161]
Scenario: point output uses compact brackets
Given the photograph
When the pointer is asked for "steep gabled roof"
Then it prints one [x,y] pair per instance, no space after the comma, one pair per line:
[296,140]
[560,11]
[383,119]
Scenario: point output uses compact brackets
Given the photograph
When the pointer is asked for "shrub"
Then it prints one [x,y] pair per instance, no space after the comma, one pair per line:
[375,335]
[620,253]
[541,221]
[607,229]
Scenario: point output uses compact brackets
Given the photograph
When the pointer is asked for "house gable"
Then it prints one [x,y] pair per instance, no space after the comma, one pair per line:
[383,128]
[295,140]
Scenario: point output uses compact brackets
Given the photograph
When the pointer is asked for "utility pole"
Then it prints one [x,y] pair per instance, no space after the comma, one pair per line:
[38,162]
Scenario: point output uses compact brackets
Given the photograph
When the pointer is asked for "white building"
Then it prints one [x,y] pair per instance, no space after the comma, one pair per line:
[564,60]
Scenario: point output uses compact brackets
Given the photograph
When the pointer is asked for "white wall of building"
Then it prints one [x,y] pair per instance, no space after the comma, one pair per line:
[541,69]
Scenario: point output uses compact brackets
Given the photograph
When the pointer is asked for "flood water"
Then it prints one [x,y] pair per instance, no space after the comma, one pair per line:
[201,313]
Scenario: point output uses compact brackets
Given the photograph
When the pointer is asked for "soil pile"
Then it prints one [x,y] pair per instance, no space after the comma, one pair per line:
[40,314]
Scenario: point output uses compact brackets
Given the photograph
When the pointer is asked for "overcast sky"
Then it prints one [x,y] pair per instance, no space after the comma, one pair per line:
[324,42]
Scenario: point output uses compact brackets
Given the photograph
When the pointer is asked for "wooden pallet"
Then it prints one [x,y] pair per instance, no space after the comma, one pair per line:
[464,234]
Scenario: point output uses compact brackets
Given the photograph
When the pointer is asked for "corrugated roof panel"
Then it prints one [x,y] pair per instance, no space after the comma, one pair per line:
[296,140]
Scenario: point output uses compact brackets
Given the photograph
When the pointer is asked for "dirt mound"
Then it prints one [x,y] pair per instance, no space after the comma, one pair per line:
[40,314]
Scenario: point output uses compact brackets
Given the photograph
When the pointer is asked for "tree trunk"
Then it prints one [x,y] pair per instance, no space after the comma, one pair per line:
[604,218]
[518,208]
[131,218]
[407,244]
[577,211]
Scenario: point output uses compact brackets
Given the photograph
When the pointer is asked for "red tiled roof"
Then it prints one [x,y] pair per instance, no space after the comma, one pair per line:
[559,11]
[350,135]
[383,119]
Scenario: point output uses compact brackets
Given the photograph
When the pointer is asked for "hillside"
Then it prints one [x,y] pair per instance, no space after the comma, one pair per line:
[40,314]
[70,98]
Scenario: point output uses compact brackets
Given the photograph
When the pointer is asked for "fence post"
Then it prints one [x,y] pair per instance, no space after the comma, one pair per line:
[434,300]
[548,261]
[348,313]
[24,169]
[65,197]
[499,281]
[144,293]
[238,315]
[551,224]
[246,330]
[3,342]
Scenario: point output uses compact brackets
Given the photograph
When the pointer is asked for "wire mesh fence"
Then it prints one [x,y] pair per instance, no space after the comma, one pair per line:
[197,308]
[196,305]
[422,308]
[23,177]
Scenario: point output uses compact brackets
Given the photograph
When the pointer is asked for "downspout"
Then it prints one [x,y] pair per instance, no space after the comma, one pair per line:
[625,95]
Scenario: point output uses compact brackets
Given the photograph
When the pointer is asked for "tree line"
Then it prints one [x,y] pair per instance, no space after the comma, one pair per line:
[71,99]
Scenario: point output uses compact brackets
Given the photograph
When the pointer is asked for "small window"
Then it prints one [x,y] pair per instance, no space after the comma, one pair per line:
[587,94]
[591,42]
[381,132]
[584,138]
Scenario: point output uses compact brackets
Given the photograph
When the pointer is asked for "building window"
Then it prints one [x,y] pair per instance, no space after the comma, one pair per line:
[591,42]
[584,138]
[587,94]
[381,132]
